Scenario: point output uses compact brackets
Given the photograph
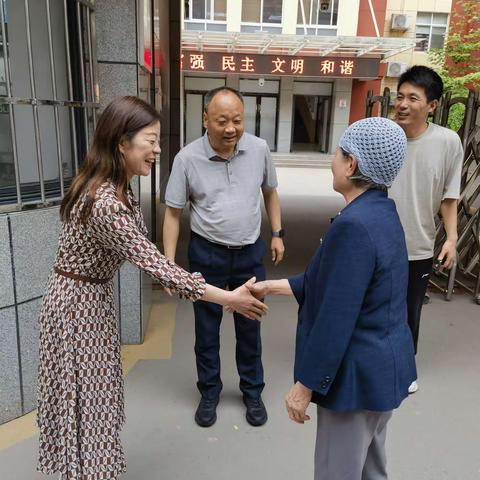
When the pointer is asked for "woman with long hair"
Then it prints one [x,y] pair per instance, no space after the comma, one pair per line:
[80,384]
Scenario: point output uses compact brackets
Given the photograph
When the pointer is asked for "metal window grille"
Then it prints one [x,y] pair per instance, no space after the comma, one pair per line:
[200,13]
[264,14]
[317,15]
[425,30]
[81,100]
[466,271]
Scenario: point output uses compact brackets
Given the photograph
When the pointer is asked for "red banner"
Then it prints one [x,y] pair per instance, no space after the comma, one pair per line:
[331,67]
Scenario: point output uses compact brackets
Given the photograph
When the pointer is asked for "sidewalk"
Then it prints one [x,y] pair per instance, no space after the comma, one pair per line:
[433,436]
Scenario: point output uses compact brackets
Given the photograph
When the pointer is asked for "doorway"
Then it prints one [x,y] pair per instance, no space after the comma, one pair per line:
[193,117]
[311,123]
[261,117]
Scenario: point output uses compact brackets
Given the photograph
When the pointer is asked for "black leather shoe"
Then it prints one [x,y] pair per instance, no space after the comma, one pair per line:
[206,414]
[256,411]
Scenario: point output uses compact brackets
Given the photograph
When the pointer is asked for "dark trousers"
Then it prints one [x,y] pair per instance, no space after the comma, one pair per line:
[224,267]
[418,275]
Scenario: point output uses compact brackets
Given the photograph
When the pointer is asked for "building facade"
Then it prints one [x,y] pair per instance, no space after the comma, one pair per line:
[303,66]
[61,62]
[425,22]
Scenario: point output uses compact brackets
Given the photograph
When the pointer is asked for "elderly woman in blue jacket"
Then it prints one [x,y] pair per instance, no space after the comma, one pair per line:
[354,352]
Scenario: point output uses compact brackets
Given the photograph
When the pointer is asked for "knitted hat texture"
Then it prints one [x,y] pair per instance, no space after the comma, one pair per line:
[379,145]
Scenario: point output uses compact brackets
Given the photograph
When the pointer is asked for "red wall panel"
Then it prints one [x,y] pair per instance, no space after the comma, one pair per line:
[366,28]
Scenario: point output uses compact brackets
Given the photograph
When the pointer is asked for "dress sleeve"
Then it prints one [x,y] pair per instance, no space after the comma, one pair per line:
[114,227]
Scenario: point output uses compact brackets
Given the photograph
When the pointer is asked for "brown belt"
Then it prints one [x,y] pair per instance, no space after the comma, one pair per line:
[82,278]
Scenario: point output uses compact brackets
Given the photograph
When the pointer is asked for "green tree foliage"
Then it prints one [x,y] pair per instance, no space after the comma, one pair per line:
[450,84]
[458,63]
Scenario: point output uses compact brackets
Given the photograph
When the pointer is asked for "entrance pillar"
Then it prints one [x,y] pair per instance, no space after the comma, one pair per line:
[342,98]
[285,115]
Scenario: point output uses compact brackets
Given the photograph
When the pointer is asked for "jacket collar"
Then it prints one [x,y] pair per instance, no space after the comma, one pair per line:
[369,194]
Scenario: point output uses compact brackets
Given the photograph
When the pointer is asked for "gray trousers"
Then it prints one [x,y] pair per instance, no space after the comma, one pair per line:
[351,445]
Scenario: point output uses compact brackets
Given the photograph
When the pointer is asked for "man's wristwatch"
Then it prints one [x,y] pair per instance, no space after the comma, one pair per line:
[280,233]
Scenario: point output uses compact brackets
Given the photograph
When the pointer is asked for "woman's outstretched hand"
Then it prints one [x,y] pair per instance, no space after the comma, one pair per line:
[245,303]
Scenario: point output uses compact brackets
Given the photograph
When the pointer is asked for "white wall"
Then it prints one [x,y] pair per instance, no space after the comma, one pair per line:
[289,16]
[234,15]
[347,17]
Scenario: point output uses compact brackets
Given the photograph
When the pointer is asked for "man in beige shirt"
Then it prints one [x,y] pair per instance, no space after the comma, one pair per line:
[429,183]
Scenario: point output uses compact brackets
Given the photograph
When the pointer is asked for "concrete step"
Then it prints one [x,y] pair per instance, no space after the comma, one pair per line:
[302,160]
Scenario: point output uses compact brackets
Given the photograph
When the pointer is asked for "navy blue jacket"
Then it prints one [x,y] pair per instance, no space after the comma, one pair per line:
[354,348]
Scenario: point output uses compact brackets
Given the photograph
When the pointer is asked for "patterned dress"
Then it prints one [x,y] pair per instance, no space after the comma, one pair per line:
[80,385]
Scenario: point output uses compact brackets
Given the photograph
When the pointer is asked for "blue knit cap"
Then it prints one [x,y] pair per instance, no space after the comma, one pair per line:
[379,146]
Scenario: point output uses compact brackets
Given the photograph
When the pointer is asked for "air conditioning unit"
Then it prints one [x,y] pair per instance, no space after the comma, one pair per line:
[400,22]
[395,69]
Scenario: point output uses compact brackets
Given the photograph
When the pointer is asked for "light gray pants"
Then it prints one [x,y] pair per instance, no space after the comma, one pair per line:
[351,445]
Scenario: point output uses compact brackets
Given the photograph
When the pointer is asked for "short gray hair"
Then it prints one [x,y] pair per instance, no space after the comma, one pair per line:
[209,95]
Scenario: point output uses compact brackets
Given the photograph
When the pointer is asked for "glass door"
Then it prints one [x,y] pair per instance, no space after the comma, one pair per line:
[250,115]
[261,117]
[193,116]
[268,121]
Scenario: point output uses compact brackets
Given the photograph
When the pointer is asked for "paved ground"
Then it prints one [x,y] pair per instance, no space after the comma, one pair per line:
[433,436]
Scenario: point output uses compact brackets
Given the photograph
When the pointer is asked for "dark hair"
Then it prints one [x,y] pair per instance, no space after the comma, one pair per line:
[360,180]
[423,77]
[209,95]
[120,121]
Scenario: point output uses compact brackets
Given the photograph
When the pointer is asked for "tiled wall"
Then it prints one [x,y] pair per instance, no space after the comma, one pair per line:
[28,242]
[28,239]
[116,48]
[118,75]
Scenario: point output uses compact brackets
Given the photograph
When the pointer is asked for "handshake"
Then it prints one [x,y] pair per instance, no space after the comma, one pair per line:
[246,300]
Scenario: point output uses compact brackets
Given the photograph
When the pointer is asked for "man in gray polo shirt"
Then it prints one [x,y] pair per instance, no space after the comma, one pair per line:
[222,175]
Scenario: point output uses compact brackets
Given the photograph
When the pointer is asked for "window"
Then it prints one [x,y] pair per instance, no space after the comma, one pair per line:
[7,173]
[316,13]
[210,10]
[47,97]
[262,11]
[251,11]
[3,83]
[430,30]
[272,11]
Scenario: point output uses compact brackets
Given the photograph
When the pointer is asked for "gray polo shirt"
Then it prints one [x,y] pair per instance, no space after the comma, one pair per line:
[224,195]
